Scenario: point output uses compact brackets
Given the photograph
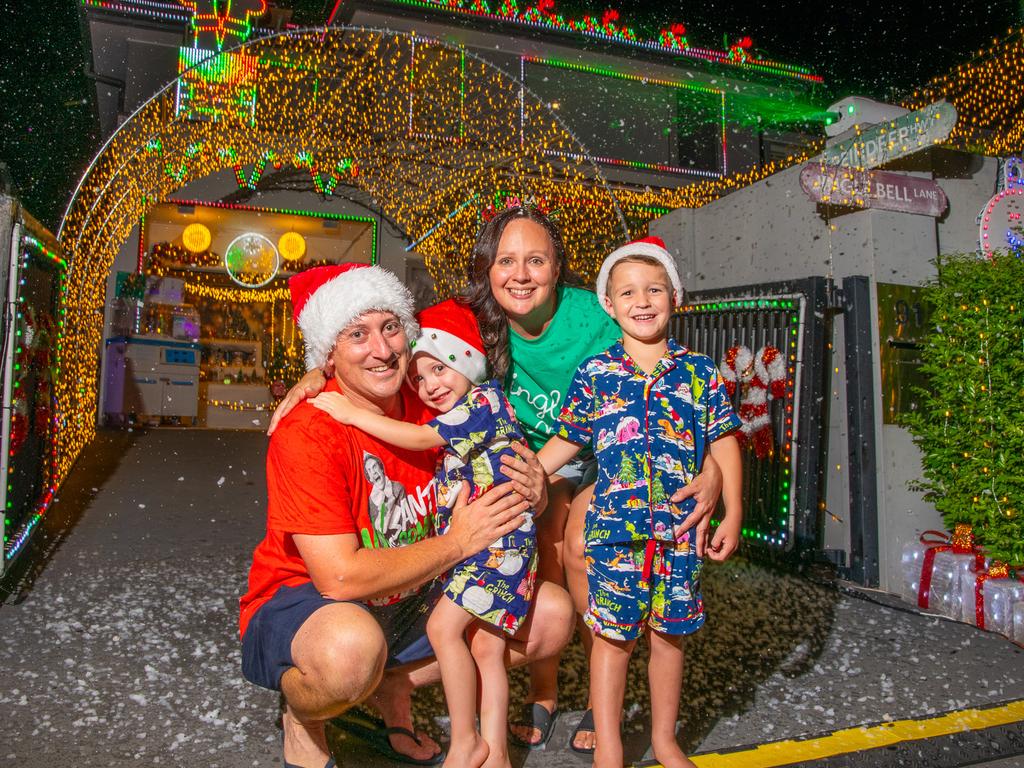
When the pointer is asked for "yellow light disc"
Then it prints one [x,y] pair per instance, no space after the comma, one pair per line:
[196,238]
[291,246]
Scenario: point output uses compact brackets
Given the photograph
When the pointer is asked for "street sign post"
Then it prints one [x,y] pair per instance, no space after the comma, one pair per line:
[882,190]
[884,142]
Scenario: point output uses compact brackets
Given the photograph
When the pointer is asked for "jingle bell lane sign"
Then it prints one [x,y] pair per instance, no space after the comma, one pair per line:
[884,142]
[881,190]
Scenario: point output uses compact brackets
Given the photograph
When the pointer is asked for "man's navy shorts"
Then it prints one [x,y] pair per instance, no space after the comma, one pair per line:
[267,643]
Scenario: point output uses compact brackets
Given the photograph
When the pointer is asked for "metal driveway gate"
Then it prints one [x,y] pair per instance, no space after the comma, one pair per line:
[770,342]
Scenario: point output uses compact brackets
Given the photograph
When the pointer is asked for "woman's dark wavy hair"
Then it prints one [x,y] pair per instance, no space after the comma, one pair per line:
[494,326]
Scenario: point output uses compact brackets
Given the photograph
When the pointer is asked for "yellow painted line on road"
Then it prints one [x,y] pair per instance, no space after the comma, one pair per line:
[779,753]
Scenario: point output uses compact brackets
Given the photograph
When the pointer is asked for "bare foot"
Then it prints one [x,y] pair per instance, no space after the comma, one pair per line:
[468,754]
[527,733]
[305,744]
[497,758]
[671,756]
[393,700]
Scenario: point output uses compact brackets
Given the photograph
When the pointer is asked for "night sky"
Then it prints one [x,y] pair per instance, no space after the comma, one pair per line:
[873,47]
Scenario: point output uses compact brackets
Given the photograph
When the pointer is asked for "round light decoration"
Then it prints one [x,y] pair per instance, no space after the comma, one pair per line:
[292,246]
[252,260]
[196,238]
[1001,224]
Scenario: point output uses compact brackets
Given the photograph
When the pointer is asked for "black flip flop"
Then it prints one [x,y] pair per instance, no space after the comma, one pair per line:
[534,715]
[375,734]
[585,724]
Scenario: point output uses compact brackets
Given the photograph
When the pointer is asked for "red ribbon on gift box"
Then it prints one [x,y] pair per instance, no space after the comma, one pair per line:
[961,542]
[996,570]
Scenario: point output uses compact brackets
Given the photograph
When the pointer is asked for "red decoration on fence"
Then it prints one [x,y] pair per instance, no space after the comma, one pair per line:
[758,378]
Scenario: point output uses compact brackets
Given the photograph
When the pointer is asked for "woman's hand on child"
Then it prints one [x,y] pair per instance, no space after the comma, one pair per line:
[705,488]
[478,524]
[526,475]
[310,385]
[336,405]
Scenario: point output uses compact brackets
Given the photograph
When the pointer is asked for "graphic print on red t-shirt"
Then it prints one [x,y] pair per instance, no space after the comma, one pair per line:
[326,478]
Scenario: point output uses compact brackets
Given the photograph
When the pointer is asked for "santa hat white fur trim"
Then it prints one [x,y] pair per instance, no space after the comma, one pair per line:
[452,351]
[639,248]
[339,301]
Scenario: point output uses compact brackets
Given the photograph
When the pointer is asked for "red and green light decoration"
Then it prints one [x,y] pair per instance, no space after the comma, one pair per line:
[37,346]
[672,39]
[213,86]
[220,19]
[771,523]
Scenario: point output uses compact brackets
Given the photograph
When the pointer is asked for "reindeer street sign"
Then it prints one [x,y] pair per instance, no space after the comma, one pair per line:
[881,143]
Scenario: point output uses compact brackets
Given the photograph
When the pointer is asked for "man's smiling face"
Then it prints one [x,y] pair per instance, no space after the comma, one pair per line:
[371,357]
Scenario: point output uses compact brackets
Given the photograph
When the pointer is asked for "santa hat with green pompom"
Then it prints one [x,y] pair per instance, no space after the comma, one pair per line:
[449,332]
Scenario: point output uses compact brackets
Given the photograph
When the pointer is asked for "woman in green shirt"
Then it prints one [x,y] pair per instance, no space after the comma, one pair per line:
[537,329]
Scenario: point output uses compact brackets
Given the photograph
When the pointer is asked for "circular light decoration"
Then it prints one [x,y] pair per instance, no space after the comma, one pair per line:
[1001,224]
[252,260]
[292,246]
[196,238]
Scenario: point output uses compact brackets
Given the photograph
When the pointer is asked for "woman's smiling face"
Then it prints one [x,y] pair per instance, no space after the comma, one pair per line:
[524,276]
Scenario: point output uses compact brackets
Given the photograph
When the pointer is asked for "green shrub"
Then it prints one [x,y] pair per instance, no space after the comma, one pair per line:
[969,421]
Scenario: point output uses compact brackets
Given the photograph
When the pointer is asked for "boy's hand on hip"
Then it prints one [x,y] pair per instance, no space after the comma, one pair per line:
[726,539]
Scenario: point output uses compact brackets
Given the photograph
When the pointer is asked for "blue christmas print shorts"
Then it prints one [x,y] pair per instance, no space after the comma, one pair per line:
[643,584]
[497,584]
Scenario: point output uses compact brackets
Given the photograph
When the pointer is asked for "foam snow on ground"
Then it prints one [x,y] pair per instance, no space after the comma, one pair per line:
[129,665]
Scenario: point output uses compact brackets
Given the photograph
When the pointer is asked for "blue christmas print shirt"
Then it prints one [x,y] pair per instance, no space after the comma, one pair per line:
[650,434]
[497,584]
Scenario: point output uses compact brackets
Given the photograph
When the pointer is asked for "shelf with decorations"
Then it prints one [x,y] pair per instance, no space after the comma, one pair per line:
[232,361]
[233,391]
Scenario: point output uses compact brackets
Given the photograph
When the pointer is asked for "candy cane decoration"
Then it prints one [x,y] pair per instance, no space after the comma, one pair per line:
[759,378]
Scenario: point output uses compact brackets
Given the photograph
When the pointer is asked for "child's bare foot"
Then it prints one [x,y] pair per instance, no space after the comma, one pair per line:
[469,754]
[671,756]
[497,758]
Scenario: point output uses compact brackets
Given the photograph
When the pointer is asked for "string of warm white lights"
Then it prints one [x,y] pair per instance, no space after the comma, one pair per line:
[987,94]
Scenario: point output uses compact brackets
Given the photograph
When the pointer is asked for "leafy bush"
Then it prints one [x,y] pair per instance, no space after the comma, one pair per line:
[969,422]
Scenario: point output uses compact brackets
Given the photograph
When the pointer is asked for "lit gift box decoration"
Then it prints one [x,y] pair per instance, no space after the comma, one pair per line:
[988,598]
[935,568]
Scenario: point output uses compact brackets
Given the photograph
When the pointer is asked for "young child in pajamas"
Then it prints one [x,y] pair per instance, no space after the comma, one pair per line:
[651,410]
[494,588]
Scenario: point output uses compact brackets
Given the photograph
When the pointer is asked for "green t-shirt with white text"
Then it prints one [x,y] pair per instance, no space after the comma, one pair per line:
[542,368]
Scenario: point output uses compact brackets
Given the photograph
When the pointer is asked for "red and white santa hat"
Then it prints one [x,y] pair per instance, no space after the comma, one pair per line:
[652,247]
[327,299]
[449,332]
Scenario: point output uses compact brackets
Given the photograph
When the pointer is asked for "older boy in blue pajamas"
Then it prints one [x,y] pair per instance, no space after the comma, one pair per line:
[651,410]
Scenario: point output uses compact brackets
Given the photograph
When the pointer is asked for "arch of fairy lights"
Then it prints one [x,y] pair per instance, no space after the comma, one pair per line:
[433,133]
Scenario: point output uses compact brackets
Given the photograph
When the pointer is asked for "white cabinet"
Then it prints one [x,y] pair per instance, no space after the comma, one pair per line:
[152,377]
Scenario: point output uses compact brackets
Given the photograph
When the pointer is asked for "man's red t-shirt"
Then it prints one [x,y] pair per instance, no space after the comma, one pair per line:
[329,478]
